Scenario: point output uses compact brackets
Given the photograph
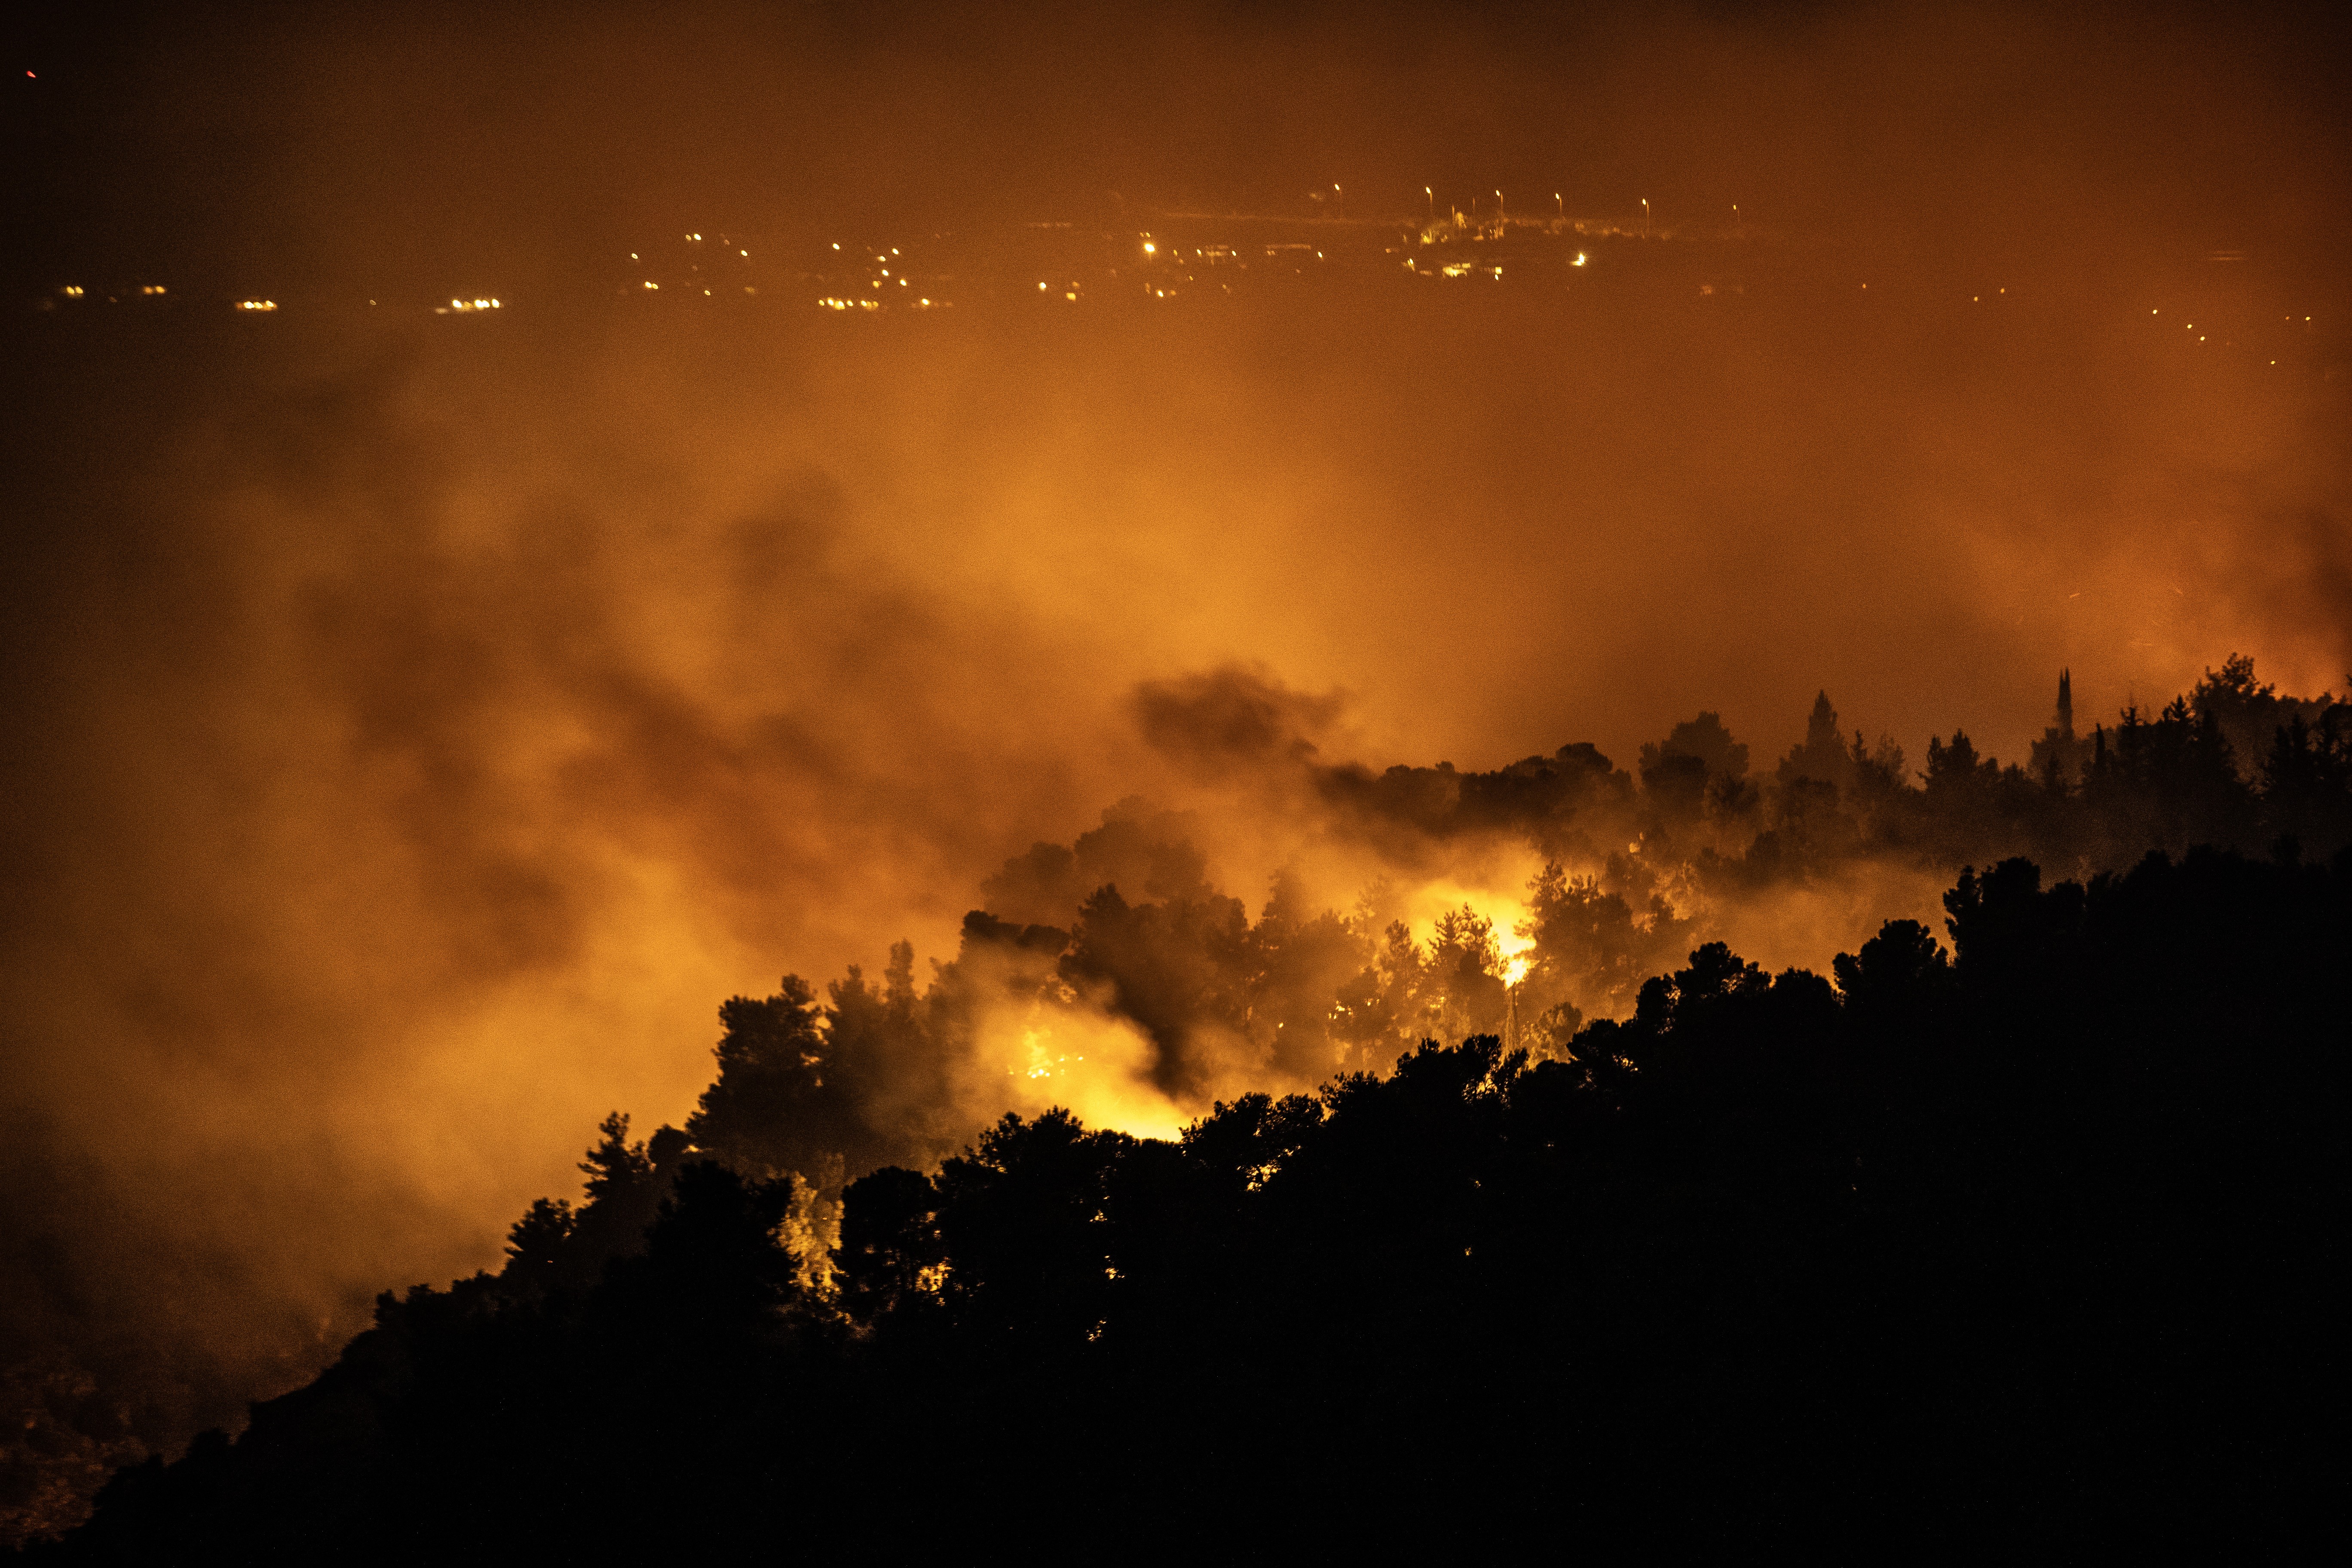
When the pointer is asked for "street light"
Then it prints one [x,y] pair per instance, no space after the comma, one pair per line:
[1645,217]
[1499,214]
[1432,202]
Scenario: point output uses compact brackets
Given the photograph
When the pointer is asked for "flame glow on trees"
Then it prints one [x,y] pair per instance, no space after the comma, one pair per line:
[1077,1056]
[1507,916]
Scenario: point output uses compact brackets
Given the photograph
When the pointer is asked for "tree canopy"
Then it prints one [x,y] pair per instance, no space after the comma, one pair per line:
[2027,1238]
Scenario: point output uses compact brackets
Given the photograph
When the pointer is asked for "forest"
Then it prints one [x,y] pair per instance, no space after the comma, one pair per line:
[2016,1232]
[1122,940]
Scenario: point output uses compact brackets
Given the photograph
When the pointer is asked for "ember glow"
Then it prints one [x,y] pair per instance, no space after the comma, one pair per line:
[1502,916]
[1092,1062]
[598,516]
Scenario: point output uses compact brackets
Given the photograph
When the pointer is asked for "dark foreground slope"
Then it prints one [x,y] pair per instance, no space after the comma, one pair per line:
[2032,1248]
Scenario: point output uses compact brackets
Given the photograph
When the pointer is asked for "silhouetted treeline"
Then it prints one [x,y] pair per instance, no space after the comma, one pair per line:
[2230,763]
[1125,921]
[2031,1246]
[1633,861]
[820,1085]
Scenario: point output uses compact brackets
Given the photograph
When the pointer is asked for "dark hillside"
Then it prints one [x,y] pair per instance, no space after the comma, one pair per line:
[2027,1243]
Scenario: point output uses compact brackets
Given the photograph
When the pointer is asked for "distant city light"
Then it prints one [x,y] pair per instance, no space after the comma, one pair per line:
[1071,290]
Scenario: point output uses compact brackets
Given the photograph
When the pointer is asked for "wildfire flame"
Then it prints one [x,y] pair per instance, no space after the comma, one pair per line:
[1505,913]
[1092,1062]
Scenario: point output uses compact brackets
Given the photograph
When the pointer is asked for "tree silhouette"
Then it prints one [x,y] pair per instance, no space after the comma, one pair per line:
[2026,1232]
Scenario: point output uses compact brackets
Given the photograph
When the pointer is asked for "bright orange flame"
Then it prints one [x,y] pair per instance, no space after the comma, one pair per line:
[1504,912]
[1094,1064]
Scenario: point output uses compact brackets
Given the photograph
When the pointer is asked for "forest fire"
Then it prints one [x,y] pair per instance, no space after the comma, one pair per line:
[1097,1066]
[958,538]
[1446,911]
